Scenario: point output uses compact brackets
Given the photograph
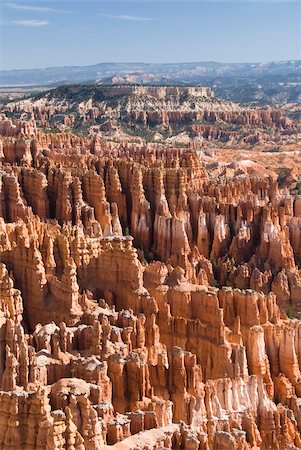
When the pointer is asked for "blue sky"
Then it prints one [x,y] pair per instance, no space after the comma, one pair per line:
[42,34]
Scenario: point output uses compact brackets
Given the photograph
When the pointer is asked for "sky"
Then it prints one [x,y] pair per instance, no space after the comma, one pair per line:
[38,34]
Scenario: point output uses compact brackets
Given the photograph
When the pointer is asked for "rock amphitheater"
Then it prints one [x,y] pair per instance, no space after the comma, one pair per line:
[147,299]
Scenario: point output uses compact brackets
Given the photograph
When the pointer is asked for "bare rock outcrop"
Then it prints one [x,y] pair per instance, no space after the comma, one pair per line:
[144,301]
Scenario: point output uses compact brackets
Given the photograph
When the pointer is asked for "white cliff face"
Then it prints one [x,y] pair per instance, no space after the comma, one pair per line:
[270,232]
[221,236]
[244,232]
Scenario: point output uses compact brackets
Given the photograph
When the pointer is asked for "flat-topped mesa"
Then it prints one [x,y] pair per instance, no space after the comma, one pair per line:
[190,115]
[159,92]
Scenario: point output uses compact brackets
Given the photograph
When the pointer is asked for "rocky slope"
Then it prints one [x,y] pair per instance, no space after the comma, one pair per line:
[146,298]
[189,115]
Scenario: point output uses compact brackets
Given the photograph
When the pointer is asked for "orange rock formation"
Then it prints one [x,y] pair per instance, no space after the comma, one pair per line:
[143,299]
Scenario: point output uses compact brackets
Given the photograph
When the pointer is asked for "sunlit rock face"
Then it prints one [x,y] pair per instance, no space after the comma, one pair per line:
[146,297]
[173,114]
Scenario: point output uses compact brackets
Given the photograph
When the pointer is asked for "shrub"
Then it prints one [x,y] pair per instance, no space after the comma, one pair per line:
[290,313]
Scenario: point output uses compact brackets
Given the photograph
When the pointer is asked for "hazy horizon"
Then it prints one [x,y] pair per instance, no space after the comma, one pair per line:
[151,63]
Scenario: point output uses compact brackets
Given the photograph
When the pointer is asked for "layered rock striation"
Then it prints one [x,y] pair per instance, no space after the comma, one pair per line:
[146,300]
[158,113]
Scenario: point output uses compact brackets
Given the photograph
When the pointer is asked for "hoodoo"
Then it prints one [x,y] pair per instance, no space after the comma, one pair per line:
[150,290]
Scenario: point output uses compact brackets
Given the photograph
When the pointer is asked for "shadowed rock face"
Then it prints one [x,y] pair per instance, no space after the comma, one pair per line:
[143,297]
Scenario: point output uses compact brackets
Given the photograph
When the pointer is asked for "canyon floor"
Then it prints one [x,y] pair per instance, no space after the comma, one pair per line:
[150,271]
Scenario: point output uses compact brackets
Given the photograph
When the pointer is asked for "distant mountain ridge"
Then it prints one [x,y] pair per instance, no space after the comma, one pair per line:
[272,82]
[175,70]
